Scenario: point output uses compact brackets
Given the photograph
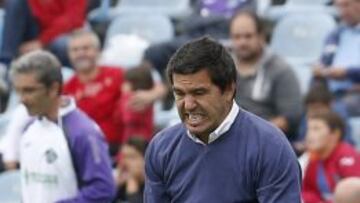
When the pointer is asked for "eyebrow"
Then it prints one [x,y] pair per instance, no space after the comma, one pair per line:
[191,90]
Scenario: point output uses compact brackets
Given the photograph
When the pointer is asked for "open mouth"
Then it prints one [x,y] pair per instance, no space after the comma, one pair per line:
[194,119]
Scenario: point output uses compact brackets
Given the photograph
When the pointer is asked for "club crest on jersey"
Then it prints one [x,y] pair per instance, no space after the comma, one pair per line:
[51,156]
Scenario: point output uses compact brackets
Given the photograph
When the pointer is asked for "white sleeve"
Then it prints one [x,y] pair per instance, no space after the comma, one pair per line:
[11,141]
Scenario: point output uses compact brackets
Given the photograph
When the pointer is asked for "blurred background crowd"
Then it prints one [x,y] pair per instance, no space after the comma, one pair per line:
[298,64]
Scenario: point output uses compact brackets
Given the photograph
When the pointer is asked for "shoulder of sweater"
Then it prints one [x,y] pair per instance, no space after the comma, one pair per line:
[168,135]
[261,129]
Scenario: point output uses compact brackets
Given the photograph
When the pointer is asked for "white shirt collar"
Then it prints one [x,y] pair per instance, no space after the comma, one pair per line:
[222,128]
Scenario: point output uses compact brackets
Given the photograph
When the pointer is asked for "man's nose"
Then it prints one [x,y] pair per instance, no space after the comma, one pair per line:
[189,103]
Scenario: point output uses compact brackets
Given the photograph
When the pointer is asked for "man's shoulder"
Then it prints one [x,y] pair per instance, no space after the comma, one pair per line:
[345,149]
[260,130]
[169,135]
[78,124]
[251,121]
[276,63]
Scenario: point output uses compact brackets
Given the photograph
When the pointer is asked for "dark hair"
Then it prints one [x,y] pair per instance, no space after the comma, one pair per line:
[140,77]
[43,63]
[204,53]
[139,143]
[318,94]
[332,119]
[259,23]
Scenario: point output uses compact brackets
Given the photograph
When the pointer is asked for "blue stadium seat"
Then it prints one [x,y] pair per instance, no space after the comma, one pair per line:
[304,74]
[301,37]
[101,14]
[154,28]
[10,187]
[298,6]
[171,8]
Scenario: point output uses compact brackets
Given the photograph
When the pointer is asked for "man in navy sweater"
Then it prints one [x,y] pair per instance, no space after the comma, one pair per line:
[219,153]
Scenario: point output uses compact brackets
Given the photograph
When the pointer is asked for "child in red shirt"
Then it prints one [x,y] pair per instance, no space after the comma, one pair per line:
[330,158]
[136,122]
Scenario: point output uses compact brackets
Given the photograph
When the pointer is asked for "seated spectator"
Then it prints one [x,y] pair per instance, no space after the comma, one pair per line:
[340,62]
[348,191]
[320,99]
[130,167]
[136,121]
[330,158]
[266,84]
[35,24]
[210,18]
[96,89]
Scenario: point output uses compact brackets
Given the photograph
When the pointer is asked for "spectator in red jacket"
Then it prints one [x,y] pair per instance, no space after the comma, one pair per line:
[35,24]
[330,158]
[96,89]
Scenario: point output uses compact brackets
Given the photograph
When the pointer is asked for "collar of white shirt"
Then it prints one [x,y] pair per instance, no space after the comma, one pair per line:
[222,128]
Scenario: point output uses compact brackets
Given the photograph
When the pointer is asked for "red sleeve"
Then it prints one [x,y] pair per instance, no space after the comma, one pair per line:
[73,17]
[309,191]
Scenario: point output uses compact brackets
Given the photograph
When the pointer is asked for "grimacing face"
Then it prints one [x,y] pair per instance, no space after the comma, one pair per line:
[83,52]
[247,43]
[36,97]
[201,105]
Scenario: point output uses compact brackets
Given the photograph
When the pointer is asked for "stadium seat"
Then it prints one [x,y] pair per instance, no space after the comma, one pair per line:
[304,74]
[276,13]
[154,28]
[10,187]
[101,14]
[173,8]
[301,37]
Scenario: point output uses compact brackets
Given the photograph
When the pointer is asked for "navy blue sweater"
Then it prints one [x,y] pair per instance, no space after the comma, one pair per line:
[252,162]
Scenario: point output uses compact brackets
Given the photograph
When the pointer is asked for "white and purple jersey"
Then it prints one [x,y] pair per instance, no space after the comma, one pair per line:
[66,161]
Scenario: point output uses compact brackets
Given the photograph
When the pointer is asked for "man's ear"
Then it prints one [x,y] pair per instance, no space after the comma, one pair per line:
[230,92]
[55,89]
